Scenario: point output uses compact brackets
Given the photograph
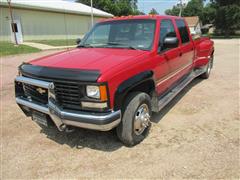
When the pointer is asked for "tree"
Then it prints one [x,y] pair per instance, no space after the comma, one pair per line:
[173,12]
[209,14]
[115,7]
[193,8]
[227,18]
[153,11]
[225,15]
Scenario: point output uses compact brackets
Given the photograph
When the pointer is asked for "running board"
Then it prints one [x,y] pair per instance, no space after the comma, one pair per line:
[168,97]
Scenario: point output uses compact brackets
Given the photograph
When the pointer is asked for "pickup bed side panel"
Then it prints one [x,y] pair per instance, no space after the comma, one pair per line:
[204,50]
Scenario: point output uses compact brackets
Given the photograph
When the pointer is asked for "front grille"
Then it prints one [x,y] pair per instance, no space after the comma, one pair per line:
[69,94]
[36,93]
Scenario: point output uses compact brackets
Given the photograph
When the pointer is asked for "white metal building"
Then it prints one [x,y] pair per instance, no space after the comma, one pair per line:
[46,19]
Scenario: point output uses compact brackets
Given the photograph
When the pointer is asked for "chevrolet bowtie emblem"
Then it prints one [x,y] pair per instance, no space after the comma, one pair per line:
[41,91]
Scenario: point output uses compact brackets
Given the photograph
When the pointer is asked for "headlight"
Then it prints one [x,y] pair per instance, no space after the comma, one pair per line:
[97,92]
[93,92]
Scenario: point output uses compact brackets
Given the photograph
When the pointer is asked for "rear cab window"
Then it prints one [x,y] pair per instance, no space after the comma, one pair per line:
[183,31]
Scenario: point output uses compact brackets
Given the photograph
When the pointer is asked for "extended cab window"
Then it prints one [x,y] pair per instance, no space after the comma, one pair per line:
[166,30]
[134,34]
[182,28]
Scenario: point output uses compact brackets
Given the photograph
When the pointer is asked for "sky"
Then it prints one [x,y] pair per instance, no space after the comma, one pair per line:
[160,5]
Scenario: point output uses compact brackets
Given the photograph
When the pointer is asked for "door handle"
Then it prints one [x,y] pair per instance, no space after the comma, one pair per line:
[180,54]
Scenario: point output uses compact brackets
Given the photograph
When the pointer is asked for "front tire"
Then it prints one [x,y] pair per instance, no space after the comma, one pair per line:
[135,123]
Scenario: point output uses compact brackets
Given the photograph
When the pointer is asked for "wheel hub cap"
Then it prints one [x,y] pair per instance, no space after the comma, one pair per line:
[142,119]
[209,66]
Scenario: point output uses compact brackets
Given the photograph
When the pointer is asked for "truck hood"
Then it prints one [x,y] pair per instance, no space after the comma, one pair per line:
[101,59]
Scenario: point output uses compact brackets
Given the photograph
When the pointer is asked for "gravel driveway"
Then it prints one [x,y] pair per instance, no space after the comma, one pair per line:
[195,136]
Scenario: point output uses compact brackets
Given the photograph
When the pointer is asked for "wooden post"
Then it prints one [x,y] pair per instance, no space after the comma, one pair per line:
[181,7]
[92,12]
[12,22]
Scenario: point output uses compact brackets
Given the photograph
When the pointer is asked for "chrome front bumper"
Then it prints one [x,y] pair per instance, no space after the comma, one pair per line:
[62,118]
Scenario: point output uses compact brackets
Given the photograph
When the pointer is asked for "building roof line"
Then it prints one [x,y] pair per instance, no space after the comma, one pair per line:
[56,6]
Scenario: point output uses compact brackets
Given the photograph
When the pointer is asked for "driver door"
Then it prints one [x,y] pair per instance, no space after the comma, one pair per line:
[171,55]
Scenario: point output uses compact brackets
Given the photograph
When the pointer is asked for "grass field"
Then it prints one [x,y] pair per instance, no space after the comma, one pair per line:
[223,37]
[7,48]
[57,42]
[214,36]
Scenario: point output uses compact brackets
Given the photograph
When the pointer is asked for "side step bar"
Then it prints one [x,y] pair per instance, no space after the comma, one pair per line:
[168,97]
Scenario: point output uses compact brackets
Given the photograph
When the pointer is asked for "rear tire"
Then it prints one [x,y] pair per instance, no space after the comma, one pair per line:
[208,70]
[135,123]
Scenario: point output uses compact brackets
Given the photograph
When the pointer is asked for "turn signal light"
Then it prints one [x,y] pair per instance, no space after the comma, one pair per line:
[103,93]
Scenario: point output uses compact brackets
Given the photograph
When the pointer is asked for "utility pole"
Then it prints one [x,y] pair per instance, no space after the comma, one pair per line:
[12,22]
[92,12]
[181,7]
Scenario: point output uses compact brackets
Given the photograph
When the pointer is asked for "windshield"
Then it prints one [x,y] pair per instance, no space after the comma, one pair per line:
[133,34]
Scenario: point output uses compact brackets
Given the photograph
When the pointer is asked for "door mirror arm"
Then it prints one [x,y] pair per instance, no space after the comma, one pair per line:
[159,47]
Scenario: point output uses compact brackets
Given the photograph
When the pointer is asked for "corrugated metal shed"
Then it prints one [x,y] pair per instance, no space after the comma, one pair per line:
[46,19]
[56,6]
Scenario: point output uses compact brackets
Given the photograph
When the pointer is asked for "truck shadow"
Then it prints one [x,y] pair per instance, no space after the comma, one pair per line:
[105,141]
[156,117]
[83,138]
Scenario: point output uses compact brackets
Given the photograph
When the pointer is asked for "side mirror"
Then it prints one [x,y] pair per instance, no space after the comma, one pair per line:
[78,40]
[170,42]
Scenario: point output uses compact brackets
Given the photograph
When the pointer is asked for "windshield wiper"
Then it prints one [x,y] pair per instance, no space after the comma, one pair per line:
[122,45]
[115,44]
[85,46]
[131,47]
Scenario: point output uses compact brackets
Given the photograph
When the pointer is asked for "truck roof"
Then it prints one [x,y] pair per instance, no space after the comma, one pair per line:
[141,17]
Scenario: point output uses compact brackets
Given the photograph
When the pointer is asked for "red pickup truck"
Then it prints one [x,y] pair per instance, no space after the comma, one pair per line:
[121,71]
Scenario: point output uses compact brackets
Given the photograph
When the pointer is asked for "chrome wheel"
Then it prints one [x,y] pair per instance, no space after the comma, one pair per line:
[209,68]
[142,119]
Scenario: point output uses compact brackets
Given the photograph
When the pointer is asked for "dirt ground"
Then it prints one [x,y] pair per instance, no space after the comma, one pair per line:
[195,136]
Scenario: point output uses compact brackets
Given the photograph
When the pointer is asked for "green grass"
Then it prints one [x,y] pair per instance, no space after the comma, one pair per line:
[214,36]
[224,37]
[7,48]
[57,42]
